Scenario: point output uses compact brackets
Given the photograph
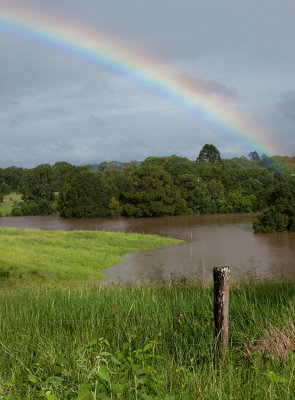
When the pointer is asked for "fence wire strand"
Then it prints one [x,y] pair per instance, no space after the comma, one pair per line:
[101,286]
[181,318]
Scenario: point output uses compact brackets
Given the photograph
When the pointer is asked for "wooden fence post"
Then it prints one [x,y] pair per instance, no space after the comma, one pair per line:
[221,308]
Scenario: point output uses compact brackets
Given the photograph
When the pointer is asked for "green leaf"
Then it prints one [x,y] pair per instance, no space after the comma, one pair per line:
[139,356]
[80,365]
[130,360]
[92,343]
[140,371]
[148,346]
[103,374]
[50,396]
[84,394]
[115,360]
[57,380]
[276,378]
[105,353]
[13,397]
[32,378]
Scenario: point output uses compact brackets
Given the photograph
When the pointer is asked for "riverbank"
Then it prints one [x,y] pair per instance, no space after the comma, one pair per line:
[209,241]
[48,258]
[146,343]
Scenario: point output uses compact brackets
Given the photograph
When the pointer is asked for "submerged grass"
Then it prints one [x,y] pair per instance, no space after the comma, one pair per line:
[34,257]
[143,343]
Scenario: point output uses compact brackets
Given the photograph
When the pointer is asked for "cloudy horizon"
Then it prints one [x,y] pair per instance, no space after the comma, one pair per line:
[54,107]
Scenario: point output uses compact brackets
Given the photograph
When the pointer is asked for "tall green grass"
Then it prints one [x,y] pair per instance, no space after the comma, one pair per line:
[142,343]
[35,257]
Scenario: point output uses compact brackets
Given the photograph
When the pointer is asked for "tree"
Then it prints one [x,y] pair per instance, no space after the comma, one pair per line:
[37,183]
[209,154]
[61,171]
[37,190]
[12,176]
[254,156]
[83,196]
[108,165]
[175,165]
[194,191]
[151,192]
[4,188]
[114,208]
[273,164]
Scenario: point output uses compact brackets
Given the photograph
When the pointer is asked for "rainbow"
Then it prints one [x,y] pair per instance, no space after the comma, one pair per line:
[105,52]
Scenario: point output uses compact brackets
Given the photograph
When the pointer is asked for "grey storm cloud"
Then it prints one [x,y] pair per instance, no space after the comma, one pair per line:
[287,105]
[55,107]
[207,87]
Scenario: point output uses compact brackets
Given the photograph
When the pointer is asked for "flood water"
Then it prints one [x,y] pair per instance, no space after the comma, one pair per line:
[210,240]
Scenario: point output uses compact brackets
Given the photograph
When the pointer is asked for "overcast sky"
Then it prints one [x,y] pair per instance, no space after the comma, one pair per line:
[54,107]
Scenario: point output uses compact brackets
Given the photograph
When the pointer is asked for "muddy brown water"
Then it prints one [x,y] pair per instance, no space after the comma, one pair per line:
[210,240]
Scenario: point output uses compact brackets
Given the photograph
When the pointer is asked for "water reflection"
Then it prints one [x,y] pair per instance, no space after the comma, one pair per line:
[210,240]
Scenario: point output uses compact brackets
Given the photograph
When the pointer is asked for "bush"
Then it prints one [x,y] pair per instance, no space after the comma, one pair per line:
[274,219]
[16,211]
[31,207]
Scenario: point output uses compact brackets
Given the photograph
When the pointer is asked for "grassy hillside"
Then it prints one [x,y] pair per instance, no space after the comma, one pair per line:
[35,257]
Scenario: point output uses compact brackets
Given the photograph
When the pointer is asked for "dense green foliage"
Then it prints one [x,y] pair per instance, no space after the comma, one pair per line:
[36,186]
[139,343]
[83,196]
[279,215]
[11,177]
[161,186]
[151,192]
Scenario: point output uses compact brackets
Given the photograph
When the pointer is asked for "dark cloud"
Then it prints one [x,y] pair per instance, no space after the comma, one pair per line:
[58,107]
[206,87]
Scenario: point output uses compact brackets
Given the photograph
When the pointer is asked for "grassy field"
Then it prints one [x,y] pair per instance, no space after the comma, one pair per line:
[146,343]
[49,258]
[86,341]
[8,203]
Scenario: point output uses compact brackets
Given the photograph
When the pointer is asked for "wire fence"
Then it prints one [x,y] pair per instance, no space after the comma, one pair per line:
[185,316]
[140,319]
[101,286]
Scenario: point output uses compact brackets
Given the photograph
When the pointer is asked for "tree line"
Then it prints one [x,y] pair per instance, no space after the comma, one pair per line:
[160,186]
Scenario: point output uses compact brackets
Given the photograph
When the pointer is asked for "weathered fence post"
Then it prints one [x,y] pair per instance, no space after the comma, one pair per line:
[221,308]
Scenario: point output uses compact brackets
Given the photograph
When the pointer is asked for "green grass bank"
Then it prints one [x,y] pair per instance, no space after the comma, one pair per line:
[146,343]
[51,258]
